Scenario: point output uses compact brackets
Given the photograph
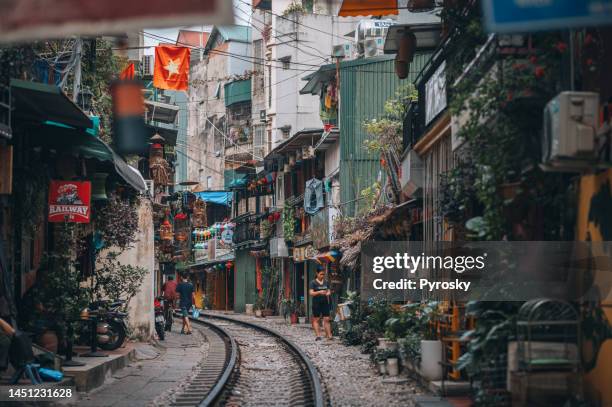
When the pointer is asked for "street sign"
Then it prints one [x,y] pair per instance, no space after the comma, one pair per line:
[69,201]
[517,16]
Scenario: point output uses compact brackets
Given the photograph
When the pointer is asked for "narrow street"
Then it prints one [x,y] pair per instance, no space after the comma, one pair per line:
[354,203]
[156,376]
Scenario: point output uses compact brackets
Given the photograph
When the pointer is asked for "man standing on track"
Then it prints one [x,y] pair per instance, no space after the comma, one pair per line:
[320,293]
[186,292]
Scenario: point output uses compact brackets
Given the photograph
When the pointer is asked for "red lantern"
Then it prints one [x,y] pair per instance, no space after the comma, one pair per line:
[277,216]
[271,218]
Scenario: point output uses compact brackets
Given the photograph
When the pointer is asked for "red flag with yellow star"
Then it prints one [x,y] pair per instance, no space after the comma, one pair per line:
[171,67]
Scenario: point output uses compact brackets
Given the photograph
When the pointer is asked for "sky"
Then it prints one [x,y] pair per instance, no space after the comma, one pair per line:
[242,10]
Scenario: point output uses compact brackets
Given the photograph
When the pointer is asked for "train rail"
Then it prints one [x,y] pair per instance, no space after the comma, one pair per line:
[248,364]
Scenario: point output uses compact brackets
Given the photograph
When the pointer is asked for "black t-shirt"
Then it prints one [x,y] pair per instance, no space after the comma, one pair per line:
[315,286]
[185,290]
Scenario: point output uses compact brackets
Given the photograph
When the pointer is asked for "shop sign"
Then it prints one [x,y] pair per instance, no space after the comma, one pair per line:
[304,253]
[227,235]
[319,229]
[435,93]
[69,201]
[520,16]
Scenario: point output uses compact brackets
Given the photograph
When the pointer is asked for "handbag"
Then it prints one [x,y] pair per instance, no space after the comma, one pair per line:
[50,374]
[196,313]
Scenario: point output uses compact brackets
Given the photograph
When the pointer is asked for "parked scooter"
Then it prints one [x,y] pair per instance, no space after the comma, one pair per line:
[111,327]
[160,320]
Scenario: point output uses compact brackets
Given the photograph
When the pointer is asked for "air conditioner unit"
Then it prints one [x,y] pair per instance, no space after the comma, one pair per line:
[150,191]
[346,51]
[147,65]
[372,47]
[570,130]
[411,178]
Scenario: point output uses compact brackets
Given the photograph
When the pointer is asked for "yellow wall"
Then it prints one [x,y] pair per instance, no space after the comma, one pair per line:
[595,201]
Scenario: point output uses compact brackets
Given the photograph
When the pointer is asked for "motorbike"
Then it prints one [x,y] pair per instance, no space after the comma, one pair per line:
[111,329]
[168,311]
[160,320]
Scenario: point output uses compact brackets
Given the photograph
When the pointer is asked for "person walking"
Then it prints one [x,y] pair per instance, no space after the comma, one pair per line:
[186,301]
[170,295]
[321,300]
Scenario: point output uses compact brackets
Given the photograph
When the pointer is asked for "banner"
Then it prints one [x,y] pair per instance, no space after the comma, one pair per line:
[70,201]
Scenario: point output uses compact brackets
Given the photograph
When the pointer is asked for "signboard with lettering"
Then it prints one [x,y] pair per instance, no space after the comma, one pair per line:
[519,16]
[70,201]
[435,93]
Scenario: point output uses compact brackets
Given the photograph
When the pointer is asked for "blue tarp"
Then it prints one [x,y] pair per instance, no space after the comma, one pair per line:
[218,197]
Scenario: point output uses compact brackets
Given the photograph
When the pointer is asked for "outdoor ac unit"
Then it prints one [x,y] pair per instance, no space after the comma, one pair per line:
[346,51]
[570,129]
[147,65]
[150,191]
[411,178]
[372,47]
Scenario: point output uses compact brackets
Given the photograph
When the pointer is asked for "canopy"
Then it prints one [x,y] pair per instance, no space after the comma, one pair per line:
[353,8]
[39,102]
[217,197]
[237,91]
[82,144]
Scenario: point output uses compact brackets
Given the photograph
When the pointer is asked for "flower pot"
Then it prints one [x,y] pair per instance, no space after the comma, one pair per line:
[248,309]
[382,368]
[431,359]
[294,318]
[267,312]
[258,313]
[392,367]
[382,343]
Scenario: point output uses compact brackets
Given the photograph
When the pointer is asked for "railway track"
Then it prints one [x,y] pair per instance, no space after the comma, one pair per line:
[250,365]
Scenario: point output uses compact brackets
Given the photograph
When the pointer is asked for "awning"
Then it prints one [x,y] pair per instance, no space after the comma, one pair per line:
[237,91]
[317,79]
[353,8]
[217,197]
[221,259]
[329,139]
[427,36]
[82,144]
[161,112]
[39,103]
[306,137]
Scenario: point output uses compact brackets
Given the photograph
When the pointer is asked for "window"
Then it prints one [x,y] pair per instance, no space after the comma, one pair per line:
[217,93]
[258,51]
[209,182]
[258,141]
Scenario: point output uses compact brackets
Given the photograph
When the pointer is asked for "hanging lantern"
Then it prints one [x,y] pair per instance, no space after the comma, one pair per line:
[158,166]
[98,186]
[165,231]
[228,265]
[277,216]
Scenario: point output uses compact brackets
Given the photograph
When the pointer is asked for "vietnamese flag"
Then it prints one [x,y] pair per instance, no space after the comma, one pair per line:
[128,72]
[171,67]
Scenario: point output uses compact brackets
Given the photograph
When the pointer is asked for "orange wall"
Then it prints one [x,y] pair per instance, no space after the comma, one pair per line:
[595,201]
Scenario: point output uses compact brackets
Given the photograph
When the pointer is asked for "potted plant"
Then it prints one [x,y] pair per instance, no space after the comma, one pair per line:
[259,306]
[431,347]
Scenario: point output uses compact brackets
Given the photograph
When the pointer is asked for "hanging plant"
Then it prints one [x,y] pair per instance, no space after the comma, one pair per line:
[288,222]
[31,186]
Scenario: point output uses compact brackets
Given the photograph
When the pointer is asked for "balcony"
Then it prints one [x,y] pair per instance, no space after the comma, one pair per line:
[239,145]
[247,230]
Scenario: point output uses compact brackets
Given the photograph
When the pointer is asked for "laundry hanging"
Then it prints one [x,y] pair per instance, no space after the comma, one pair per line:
[313,196]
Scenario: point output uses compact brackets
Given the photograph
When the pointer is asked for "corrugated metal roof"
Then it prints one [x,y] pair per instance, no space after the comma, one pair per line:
[365,86]
[237,33]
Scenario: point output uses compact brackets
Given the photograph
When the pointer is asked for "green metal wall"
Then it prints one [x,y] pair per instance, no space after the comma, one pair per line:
[245,291]
[365,86]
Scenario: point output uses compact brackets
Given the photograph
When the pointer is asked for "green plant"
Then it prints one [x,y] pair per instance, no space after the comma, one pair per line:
[288,222]
[288,306]
[115,280]
[117,223]
[295,7]
[31,186]
[381,355]
[260,303]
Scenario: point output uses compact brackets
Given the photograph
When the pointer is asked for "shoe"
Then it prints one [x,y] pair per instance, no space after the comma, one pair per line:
[318,338]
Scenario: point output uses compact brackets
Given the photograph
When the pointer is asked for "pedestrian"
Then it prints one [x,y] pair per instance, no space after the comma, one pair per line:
[186,301]
[321,298]
[169,294]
